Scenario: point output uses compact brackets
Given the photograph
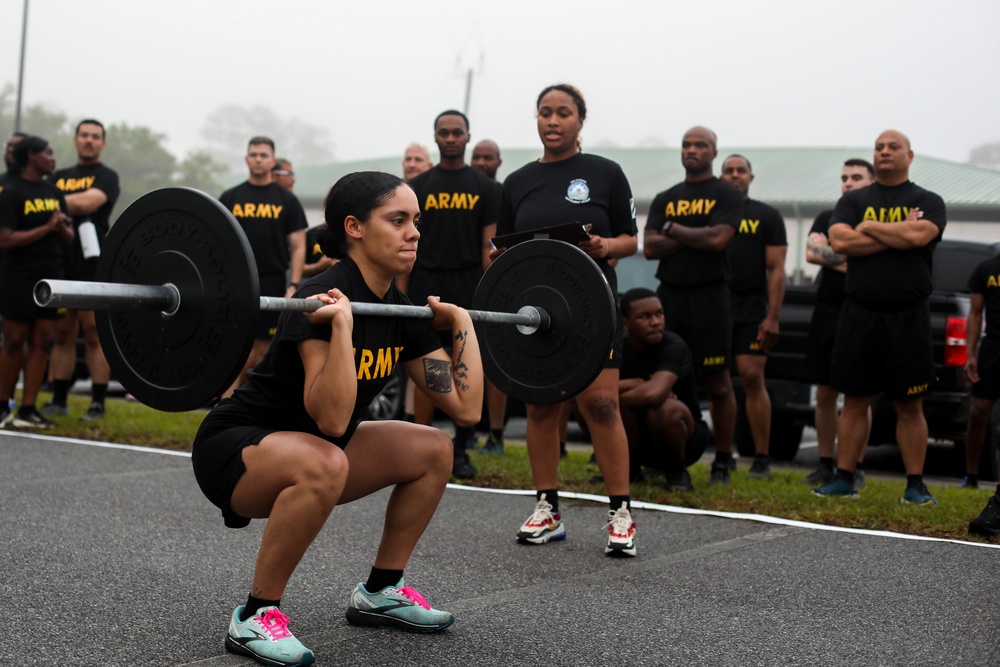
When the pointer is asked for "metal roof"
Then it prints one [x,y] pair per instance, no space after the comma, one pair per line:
[800,181]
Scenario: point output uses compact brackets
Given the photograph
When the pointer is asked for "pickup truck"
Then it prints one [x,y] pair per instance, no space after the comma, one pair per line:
[946,407]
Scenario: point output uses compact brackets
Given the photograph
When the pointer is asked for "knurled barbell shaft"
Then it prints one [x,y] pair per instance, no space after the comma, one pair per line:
[166,298]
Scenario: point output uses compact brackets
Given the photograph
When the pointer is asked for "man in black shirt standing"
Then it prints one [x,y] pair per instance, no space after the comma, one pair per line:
[688,229]
[275,224]
[757,287]
[888,232]
[855,174]
[458,215]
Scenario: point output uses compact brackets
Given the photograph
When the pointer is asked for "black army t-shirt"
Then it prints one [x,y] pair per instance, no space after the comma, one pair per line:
[82,177]
[891,279]
[699,204]
[985,280]
[586,188]
[273,394]
[672,355]
[761,226]
[25,205]
[268,214]
[829,283]
[455,205]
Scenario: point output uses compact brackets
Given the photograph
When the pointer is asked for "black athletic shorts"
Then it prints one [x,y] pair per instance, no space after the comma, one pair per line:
[704,321]
[271,284]
[694,448]
[749,310]
[457,287]
[887,353]
[217,453]
[17,300]
[988,386]
[819,344]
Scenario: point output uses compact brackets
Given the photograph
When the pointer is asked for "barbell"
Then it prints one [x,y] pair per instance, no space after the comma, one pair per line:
[177,298]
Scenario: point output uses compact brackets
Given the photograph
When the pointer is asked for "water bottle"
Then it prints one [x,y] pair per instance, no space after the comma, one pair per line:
[88,239]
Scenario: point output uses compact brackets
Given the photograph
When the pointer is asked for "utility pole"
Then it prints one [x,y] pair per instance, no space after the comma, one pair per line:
[468,89]
[20,74]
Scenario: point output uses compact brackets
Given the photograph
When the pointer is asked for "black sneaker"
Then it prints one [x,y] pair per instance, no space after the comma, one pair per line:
[30,419]
[969,482]
[760,468]
[719,474]
[859,479]
[679,481]
[492,446]
[462,468]
[6,416]
[987,523]
[93,413]
[821,476]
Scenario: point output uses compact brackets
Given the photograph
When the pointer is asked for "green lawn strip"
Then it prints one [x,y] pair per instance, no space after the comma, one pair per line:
[784,496]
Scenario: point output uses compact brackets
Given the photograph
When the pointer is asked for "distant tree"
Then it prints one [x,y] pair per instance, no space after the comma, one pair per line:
[140,159]
[228,128]
[199,170]
[987,155]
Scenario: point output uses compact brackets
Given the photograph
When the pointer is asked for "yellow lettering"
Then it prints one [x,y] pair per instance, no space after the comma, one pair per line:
[709,205]
[29,207]
[917,389]
[472,201]
[444,200]
[276,210]
[365,369]
[384,364]
[714,361]
[249,210]
[683,207]
[993,281]
[237,211]
[431,203]
[696,206]
[459,200]
[670,212]
[869,214]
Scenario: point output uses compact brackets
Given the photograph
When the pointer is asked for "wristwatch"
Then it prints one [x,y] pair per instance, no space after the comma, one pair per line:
[666,227]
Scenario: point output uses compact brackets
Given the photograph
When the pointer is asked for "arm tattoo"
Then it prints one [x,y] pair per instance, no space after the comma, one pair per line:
[830,258]
[437,375]
[461,369]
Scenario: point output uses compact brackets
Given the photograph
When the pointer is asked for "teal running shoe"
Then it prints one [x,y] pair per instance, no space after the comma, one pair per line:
[265,637]
[917,494]
[838,488]
[396,606]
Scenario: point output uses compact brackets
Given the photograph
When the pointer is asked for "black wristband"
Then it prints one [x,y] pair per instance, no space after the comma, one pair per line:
[294,284]
[666,227]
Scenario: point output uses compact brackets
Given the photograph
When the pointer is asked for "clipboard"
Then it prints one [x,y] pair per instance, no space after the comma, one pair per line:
[571,232]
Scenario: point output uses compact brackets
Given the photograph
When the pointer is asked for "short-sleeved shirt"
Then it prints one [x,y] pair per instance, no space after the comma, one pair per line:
[455,206]
[586,188]
[985,280]
[273,394]
[25,205]
[762,226]
[891,279]
[267,214]
[829,282]
[672,355]
[695,204]
[79,178]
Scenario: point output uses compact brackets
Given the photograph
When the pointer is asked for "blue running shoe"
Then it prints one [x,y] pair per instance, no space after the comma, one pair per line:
[265,638]
[396,606]
[542,526]
[838,488]
[917,494]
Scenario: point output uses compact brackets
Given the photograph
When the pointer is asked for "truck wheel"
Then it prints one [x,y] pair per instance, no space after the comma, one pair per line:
[786,436]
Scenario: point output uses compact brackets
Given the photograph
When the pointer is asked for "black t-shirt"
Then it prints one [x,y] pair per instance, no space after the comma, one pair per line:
[585,188]
[274,391]
[891,279]
[985,280]
[829,283]
[760,227]
[313,252]
[82,177]
[673,355]
[698,204]
[455,205]
[26,205]
[268,214]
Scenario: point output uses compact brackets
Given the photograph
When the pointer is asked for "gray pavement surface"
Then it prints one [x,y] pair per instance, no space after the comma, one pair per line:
[113,557]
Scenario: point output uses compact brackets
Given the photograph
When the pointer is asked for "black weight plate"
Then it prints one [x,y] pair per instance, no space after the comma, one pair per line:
[558,363]
[181,361]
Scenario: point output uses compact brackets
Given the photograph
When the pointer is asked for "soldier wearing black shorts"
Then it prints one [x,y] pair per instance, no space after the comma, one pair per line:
[290,445]
[983,370]
[458,207]
[855,174]
[275,224]
[757,286]
[658,393]
[688,229]
[888,232]
[34,228]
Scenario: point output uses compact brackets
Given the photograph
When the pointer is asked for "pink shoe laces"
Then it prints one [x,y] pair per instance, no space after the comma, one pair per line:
[275,624]
[414,595]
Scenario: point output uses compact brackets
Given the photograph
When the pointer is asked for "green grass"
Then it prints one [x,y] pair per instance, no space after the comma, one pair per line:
[783,495]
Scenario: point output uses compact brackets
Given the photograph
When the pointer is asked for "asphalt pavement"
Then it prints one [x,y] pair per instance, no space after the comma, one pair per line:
[113,557]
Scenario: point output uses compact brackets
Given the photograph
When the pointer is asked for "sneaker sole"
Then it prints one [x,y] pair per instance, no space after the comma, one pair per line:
[357,616]
[838,495]
[551,536]
[24,423]
[921,504]
[235,647]
[620,552]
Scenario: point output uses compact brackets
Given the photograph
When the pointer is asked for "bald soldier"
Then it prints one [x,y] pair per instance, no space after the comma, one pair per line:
[688,230]
[486,158]
[888,232]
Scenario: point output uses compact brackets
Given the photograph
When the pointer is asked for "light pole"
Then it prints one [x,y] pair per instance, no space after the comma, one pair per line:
[20,73]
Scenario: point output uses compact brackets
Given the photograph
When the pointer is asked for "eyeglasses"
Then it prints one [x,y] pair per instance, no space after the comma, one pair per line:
[282,172]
